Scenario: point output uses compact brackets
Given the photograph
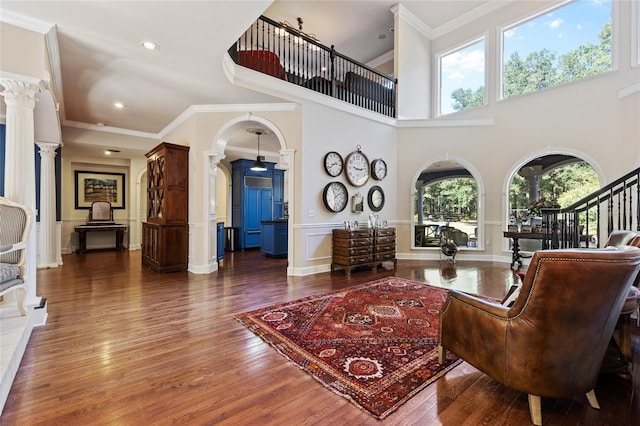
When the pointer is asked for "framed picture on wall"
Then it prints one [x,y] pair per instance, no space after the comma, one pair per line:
[99,186]
[357,203]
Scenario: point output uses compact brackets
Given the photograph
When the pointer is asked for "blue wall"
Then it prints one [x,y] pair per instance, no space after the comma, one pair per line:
[58,167]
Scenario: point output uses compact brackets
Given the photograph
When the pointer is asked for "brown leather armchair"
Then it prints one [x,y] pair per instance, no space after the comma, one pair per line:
[551,342]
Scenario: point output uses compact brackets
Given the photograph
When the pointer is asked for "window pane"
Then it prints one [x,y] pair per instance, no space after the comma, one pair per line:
[462,78]
[565,44]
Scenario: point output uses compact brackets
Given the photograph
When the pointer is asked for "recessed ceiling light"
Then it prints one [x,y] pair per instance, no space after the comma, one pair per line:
[111,151]
[149,45]
[118,105]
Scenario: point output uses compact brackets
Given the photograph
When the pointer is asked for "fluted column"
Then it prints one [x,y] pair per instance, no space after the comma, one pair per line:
[19,177]
[47,205]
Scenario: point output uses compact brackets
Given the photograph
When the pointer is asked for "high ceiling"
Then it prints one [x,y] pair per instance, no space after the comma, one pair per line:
[101,60]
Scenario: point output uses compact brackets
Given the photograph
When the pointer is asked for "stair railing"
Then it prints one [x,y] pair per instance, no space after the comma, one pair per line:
[589,221]
[289,54]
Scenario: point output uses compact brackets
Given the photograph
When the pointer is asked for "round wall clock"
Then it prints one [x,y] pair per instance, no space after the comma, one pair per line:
[378,169]
[333,163]
[335,196]
[376,198]
[357,168]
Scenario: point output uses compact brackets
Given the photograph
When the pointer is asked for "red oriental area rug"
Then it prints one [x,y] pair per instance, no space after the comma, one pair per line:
[375,343]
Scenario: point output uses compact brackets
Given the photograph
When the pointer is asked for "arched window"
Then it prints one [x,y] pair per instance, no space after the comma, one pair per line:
[549,181]
[446,206]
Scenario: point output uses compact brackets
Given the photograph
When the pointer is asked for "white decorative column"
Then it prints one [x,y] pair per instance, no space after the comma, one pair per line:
[287,164]
[19,176]
[47,205]
[212,217]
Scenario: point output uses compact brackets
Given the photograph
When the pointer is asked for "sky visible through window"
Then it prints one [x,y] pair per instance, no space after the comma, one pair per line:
[560,30]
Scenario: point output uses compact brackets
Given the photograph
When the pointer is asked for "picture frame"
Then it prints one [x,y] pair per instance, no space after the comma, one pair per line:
[99,186]
[357,203]
[512,228]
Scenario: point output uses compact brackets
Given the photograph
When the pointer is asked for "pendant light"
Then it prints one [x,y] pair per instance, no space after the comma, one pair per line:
[258,165]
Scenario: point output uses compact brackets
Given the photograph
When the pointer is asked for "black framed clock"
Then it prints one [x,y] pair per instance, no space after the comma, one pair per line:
[335,196]
[357,168]
[378,169]
[375,198]
[333,163]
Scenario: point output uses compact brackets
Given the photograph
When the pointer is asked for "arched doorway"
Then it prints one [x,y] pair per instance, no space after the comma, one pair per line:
[233,142]
[553,180]
[447,205]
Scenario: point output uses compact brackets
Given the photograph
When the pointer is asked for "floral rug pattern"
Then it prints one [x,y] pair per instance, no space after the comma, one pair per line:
[375,343]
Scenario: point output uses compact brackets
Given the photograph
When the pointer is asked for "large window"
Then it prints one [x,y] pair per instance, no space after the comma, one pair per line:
[562,45]
[462,78]
[547,182]
[446,206]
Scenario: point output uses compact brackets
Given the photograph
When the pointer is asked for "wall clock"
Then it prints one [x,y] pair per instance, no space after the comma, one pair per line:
[357,168]
[378,169]
[335,196]
[376,198]
[333,163]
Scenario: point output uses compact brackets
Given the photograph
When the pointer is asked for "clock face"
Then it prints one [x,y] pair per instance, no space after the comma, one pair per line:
[357,168]
[335,196]
[376,198]
[378,169]
[333,163]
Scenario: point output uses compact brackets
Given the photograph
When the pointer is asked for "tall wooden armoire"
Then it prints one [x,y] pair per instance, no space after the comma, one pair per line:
[165,234]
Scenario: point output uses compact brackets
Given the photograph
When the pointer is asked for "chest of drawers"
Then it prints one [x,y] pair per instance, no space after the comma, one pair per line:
[364,247]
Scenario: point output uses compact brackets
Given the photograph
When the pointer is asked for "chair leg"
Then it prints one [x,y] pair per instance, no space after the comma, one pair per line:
[442,354]
[535,409]
[591,397]
[21,301]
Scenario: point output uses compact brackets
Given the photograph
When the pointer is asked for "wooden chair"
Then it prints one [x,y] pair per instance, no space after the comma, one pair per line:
[552,340]
[15,224]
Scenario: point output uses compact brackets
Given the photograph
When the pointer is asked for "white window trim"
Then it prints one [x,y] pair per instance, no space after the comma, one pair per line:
[500,43]
[438,72]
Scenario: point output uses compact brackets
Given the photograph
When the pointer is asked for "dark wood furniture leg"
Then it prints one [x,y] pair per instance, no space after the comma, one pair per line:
[515,256]
[82,240]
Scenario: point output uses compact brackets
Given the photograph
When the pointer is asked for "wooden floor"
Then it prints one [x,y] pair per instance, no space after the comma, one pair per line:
[124,345]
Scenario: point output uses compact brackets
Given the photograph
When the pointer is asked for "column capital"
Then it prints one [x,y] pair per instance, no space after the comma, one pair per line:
[286,159]
[48,148]
[19,92]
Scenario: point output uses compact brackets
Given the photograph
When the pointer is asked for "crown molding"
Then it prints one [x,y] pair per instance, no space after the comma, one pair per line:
[25,22]
[382,59]
[472,15]
[481,122]
[406,15]
[109,129]
[187,114]
[196,109]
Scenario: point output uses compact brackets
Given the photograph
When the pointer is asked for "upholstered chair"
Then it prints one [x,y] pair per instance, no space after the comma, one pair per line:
[552,340]
[620,237]
[15,223]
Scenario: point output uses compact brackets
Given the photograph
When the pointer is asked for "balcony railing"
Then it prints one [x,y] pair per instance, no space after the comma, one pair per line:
[588,222]
[287,53]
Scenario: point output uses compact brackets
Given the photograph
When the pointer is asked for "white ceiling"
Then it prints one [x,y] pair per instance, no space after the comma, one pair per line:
[102,61]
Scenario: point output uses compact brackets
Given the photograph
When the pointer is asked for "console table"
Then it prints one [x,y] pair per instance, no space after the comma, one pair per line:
[516,256]
[82,231]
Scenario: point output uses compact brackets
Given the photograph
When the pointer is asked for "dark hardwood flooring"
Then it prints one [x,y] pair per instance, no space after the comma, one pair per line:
[124,345]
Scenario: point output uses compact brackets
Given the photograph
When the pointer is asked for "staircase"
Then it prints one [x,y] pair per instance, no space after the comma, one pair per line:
[589,221]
